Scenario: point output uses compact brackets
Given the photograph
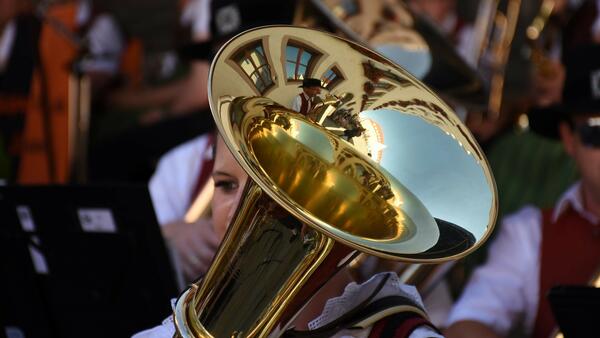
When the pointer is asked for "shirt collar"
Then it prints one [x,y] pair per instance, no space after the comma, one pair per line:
[354,294]
[572,198]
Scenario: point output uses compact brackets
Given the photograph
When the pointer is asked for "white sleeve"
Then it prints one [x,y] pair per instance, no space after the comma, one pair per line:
[595,30]
[297,104]
[465,44]
[505,289]
[106,45]
[175,177]
[197,14]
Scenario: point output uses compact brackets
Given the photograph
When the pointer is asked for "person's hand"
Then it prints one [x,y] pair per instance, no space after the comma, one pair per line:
[548,80]
[151,117]
[195,245]
[362,25]
[364,22]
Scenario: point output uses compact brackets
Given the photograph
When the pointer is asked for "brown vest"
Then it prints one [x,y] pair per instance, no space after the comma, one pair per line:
[304,107]
[570,254]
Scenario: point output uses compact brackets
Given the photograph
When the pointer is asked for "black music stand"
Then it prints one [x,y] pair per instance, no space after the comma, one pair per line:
[99,269]
[576,310]
[23,312]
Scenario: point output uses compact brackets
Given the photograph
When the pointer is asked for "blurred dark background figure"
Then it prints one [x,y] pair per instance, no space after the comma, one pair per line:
[19,31]
[518,156]
[173,111]
[79,46]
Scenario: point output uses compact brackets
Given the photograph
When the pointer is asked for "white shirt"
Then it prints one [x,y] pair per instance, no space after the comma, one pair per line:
[7,39]
[197,14]
[297,103]
[353,295]
[596,24]
[172,184]
[504,291]
[106,43]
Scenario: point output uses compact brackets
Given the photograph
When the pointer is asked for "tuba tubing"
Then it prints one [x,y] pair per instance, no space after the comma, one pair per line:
[320,192]
[264,241]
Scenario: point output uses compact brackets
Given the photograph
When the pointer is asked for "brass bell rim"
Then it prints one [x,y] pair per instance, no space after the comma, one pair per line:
[274,193]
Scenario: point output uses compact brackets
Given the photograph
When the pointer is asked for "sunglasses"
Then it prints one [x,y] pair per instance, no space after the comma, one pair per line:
[589,135]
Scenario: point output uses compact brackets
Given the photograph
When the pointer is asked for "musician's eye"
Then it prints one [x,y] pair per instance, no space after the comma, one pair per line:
[227,186]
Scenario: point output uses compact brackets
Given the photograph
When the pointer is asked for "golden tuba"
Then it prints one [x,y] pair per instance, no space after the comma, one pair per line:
[382,166]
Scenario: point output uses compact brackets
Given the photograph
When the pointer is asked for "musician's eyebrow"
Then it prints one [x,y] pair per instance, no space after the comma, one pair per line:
[218,172]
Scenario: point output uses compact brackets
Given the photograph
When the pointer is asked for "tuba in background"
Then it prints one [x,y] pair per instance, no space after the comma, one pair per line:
[381,165]
[392,29]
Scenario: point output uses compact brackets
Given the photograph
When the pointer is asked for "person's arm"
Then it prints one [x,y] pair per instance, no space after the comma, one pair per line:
[503,291]
[140,98]
[175,98]
[194,244]
[195,94]
[170,189]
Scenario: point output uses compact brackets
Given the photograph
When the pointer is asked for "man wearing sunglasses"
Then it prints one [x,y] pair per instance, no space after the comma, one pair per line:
[535,249]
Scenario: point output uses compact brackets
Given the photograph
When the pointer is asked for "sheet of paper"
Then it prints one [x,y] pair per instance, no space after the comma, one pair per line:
[26,218]
[97,220]
[37,257]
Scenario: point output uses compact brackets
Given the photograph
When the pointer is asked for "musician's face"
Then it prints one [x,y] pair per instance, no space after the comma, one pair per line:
[586,156]
[229,179]
[312,91]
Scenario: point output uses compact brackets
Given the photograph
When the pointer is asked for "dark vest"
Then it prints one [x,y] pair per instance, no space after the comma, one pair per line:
[570,254]
[304,107]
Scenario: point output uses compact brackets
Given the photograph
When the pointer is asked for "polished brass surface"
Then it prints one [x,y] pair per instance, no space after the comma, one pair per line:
[327,181]
[405,129]
[504,30]
[263,252]
[392,29]
[536,27]
[494,32]
[79,107]
[380,164]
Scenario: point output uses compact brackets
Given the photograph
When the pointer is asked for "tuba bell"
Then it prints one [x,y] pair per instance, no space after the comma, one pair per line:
[381,165]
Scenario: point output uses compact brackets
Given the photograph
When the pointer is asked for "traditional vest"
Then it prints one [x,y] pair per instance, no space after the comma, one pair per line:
[570,254]
[389,317]
[305,106]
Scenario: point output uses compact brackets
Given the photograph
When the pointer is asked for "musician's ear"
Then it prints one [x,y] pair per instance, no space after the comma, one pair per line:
[567,137]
